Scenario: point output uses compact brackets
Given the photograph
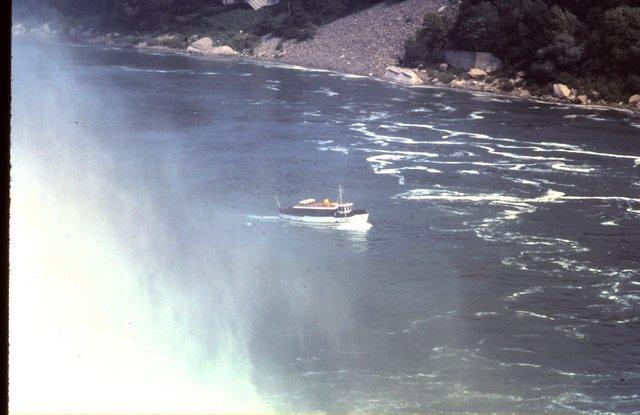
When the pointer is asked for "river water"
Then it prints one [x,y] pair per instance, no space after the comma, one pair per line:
[149,271]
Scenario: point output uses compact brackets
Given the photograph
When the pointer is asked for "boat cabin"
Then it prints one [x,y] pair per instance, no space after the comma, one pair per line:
[326,207]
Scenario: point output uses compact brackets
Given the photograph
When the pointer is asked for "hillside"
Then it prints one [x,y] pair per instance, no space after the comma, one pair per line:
[364,43]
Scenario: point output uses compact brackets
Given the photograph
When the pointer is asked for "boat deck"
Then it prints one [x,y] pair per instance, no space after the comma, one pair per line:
[320,204]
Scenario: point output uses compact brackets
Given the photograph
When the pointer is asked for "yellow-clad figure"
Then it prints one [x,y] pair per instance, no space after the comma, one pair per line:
[326,202]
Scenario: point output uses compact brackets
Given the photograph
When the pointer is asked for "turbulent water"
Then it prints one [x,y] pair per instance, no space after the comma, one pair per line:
[149,271]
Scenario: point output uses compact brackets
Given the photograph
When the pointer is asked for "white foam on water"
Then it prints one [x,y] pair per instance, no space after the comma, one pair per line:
[593,117]
[372,116]
[520,364]
[441,194]
[514,208]
[523,181]
[484,98]
[516,349]
[454,133]
[603,198]
[416,154]
[272,87]
[468,172]
[634,211]
[326,91]
[575,169]
[491,150]
[636,159]
[552,144]
[609,223]
[485,313]
[427,169]
[524,313]
[528,291]
[132,69]
[337,149]
[380,162]
[420,109]
[268,218]
[387,138]
[463,154]
[444,107]
[312,113]
[246,74]
[477,115]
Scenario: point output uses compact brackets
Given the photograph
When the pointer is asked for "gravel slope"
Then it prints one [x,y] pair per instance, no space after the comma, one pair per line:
[362,43]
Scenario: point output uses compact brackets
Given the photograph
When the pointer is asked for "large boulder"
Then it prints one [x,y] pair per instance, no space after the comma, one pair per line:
[201,45]
[634,99]
[222,50]
[402,76]
[477,73]
[561,91]
[582,99]
[205,46]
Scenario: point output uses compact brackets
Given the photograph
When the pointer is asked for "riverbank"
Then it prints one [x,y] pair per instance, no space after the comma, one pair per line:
[272,50]
[431,77]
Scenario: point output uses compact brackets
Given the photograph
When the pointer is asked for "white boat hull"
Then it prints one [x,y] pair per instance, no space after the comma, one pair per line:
[362,218]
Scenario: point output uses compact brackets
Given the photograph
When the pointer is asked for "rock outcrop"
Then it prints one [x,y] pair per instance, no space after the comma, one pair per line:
[583,99]
[205,46]
[561,91]
[201,45]
[402,76]
[223,50]
[477,73]
[634,100]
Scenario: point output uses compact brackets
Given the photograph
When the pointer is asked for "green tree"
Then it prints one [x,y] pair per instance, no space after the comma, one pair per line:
[621,38]
[477,27]
[428,45]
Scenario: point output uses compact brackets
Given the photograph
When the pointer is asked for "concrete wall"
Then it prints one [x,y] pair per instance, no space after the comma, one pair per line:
[467,60]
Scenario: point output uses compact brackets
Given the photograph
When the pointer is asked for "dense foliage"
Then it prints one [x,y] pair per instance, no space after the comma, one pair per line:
[589,44]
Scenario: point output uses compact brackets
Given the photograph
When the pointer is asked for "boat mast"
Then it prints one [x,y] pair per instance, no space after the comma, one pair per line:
[344,210]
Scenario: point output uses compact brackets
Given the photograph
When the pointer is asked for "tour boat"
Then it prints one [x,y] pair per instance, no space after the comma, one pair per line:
[324,211]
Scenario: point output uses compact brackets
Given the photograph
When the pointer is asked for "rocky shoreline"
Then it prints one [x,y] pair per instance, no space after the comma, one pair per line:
[273,50]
